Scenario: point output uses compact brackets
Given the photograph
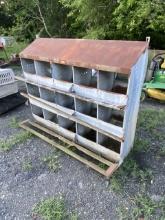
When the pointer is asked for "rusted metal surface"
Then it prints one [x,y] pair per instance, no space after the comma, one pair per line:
[107,55]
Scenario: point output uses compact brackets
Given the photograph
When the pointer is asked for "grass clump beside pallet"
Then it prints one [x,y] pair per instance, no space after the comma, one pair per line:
[149,126]
[51,161]
[6,145]
[14,123]
[52,209]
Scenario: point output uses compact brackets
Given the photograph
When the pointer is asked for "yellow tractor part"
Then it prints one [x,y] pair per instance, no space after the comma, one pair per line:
[156,93]
[163,65]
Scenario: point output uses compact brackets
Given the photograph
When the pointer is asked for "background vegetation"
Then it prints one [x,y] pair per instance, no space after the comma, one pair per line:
[96,19]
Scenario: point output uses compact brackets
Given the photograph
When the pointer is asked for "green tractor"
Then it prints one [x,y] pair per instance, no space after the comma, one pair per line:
[154,86]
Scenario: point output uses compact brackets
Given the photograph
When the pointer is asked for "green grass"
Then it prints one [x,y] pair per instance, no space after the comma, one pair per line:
[162,151]
[143,207]
[14,123]
[52,162]
[149,123]
[27,166]
[151,119]
[50,209]
[16,48]
[6,145]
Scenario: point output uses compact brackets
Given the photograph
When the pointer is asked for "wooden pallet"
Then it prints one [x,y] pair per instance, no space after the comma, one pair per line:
[91,159]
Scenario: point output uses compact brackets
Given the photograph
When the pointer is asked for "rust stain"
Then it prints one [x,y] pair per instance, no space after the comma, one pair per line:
[107,55]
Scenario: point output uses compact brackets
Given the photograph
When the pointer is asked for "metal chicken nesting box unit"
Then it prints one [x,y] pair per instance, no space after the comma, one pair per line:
[86,93]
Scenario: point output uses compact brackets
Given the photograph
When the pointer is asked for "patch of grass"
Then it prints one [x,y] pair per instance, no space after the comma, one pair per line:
[102,166]
[50,209]
[16,48]
[74,216]
[150,119]
[52,161]
[129,169]
[27,166]
[143,207]
[162,151]
[6,145]
[141,144]
[14,123]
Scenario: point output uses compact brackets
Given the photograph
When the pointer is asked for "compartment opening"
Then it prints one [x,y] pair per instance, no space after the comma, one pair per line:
[62,72]
[108,142]
[121,84]
[106,80]
[117,117]
[50,116]
[111,115]
[64,100]
[33,90]
[47,95]
[37,110]
[43,68]
[67,123]
[28,66]
[86,108]
[86,132]
[86,77]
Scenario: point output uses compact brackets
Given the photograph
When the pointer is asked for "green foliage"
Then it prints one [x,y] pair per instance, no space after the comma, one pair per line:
[149,122]
[6,145]
[27,166]
[143,207]
[50,209]
[96,19]
[137,19]
[16,48]
[14,123]
[52,161]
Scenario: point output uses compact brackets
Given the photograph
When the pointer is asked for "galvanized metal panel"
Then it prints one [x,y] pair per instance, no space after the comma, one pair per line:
[131,111]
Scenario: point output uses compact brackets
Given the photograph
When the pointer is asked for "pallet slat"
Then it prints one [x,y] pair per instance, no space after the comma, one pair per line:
[64,149]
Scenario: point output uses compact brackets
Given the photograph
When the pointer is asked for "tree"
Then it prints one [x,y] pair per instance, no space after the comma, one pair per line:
[138,19]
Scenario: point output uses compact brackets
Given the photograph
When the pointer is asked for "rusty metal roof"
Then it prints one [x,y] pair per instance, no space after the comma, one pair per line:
[108,55]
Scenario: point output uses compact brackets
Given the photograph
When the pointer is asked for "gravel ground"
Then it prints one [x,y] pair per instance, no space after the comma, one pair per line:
[85,192]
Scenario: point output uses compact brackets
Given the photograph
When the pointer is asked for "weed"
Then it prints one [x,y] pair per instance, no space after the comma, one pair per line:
[143,207]
[150,119]
[140,145]
[6,145]
[27,166]
[102,166]
[162,151]
[52,161]
[74,216]
[50,209]
[14,123]
[116,184]
[131,169]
